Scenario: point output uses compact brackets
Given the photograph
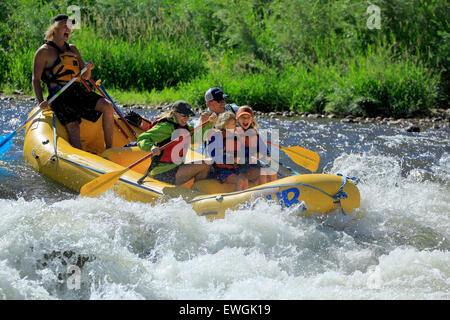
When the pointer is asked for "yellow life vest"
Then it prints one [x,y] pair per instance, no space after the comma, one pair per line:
[64,69]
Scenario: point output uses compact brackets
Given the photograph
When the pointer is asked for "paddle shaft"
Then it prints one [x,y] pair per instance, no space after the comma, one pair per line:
[56,95]
[105,95]
[115,122]
[119,113]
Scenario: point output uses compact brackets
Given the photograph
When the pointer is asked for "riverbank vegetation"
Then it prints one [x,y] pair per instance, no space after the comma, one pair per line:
[300,55]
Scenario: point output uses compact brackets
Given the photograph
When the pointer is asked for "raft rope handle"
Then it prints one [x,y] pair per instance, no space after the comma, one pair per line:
[266,187]
[340,195]
[54,137]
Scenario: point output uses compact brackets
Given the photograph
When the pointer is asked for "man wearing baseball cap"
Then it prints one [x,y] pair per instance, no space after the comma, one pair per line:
[215,101]
[56,62]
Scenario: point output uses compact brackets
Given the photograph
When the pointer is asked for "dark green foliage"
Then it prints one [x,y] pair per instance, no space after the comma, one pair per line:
[142,66]
[305,55]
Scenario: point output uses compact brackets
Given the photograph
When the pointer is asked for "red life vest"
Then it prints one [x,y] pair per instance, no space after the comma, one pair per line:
[147,124]
[235,151]
[249,142]
[166,154]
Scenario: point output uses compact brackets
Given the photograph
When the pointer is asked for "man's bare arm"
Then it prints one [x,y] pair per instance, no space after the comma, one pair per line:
[40,60]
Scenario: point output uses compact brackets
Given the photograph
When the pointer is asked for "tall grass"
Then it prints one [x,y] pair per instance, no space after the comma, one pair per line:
[274,55]
[366,85]
[17,68]
[372,85]
[142,65]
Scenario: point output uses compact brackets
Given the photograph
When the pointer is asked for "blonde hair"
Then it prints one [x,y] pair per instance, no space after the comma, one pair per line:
[48,35]
[169,115]
[254,124]
[224,119]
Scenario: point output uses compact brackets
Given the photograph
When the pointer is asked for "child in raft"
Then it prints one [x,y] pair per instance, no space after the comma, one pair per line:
[223,170]
[253,145]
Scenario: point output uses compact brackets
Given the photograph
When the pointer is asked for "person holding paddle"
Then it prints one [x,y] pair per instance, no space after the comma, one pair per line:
[55,63]
[167,164]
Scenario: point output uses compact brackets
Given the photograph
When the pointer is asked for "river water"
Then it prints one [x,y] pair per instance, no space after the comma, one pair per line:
[395,246]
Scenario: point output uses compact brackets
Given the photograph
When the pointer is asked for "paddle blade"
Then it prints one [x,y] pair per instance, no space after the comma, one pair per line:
[303,157]
[6,143]
[193,156]
[101,184]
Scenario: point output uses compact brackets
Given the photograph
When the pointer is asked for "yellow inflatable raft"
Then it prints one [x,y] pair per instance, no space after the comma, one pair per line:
[47,150]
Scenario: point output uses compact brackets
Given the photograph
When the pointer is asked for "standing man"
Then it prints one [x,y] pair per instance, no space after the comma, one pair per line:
[56,62]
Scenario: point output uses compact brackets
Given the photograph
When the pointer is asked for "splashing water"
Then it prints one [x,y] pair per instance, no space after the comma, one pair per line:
[55,244]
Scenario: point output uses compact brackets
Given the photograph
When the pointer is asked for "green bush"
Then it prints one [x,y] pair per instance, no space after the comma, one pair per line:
[380,85]
[272,54]
[141,65]
[3,65]
[19,69]
[366,86]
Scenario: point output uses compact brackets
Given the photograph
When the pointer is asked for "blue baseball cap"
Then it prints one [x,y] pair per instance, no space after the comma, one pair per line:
[215,94]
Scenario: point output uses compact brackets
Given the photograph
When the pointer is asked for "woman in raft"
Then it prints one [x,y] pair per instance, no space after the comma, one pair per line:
[166,164]
[253,145]
[226,167]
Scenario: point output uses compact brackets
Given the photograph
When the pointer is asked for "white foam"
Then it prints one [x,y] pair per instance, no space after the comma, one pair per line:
[394,247]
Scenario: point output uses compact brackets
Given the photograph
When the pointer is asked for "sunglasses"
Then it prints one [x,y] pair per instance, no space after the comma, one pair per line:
[183,115]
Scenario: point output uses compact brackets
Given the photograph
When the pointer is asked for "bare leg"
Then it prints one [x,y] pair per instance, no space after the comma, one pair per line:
[262,179]
[73,129]
[106,107]
[253,174]
[261,175]
[186,172]
[269,174]
[241,182]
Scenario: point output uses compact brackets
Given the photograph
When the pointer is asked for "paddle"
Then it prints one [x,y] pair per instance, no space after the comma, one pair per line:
[6,140]
[303,157]
[106,96]
[107,180]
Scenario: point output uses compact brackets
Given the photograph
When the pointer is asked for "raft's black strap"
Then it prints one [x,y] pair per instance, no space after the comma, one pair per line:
[155,160]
